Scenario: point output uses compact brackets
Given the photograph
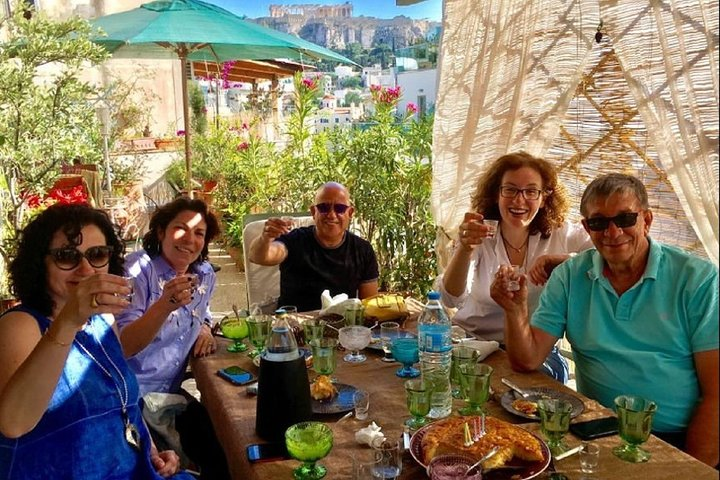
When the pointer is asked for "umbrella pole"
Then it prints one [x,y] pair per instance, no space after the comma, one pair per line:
[182,53]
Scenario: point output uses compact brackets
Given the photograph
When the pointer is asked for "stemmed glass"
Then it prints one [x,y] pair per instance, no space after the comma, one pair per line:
[555,422]
[323,350]
[405,351]
[309,442]
[475,386]
[635,415]
[354,338]
[235,328]
[418,402]
[259,329]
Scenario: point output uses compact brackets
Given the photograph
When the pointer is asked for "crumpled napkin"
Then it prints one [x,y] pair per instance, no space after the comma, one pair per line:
[482,347]
[370,435]
[336,304]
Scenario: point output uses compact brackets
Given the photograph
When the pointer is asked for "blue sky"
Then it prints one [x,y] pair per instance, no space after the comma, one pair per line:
[430,9]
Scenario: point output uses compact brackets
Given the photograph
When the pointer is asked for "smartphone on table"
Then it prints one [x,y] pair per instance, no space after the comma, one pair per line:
[267,452]
[236,375]
[598,428]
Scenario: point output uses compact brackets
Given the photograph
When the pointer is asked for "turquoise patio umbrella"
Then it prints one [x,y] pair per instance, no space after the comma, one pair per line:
[192,30]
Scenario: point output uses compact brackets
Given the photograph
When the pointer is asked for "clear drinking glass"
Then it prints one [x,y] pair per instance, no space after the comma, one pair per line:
[388,332]
[389,455]
[492,227]
[589,457]
[354,338]
[635,415]
[513,283]
[361,403]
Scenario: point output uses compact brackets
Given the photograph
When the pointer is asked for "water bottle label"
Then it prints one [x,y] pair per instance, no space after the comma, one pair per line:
[434,340]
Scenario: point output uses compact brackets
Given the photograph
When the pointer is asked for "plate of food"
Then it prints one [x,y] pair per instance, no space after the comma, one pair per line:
[376,344]
[328,398]
[527,407]
[522,455]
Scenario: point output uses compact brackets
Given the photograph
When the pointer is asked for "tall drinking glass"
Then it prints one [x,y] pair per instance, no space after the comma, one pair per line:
[635,415]
[388,332]
[389,455]
[313,329]
[418,401]
[555,422]
[461,355]
[323,350]
[354,315]
[475,383]
[259,328]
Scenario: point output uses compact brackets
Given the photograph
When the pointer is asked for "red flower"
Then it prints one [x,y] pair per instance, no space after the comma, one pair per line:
[411,108]
[243,146]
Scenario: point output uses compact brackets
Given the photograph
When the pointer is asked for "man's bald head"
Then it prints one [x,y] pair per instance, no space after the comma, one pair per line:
[332,187]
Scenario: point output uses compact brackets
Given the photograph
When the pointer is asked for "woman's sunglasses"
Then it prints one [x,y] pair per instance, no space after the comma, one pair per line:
[325,208]
[624,220]
[67,258]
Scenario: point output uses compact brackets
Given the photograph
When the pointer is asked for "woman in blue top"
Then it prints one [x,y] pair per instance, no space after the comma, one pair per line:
[68,401]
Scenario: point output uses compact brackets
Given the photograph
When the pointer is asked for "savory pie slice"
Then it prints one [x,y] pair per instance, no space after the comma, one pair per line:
[448,436]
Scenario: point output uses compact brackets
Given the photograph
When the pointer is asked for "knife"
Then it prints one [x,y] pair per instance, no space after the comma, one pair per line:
[568,453]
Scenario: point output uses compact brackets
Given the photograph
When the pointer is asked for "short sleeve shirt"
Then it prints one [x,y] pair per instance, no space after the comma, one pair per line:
[310,268]
[641,342]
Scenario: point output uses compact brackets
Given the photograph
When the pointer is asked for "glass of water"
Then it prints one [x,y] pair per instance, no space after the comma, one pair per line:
[388,331]
[389,456]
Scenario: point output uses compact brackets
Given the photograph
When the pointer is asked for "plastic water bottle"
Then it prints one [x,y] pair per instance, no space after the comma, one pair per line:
[281,344]
[435,348]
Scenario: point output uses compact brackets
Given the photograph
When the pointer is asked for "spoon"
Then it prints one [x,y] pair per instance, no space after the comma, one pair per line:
[514,387]
[484,457]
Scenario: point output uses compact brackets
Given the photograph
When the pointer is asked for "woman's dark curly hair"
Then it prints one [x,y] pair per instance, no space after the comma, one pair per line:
[487,192]
[28,270]
[165,214]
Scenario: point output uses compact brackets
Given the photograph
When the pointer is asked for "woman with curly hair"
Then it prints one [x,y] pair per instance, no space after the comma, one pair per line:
[169,319]
[69,404]
[522,193]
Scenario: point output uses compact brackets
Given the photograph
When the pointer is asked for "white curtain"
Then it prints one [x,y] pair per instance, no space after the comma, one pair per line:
[507,72]
[669,56]
[509,69]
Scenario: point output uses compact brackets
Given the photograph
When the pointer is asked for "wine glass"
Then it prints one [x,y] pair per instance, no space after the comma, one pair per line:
[309,442]
[475,386]
[259,329]
[354,338]
[418,401]
[323,350]
[555,422]
[405,351]
[635,415]
[235,328]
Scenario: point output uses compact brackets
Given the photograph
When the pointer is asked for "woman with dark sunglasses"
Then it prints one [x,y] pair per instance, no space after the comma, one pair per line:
[325,256]
[523,194]
[68,401]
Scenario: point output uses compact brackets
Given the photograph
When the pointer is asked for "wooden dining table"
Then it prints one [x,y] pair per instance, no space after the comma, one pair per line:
[232,411]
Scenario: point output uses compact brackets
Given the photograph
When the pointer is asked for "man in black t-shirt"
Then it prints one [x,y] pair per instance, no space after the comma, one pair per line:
[319,257]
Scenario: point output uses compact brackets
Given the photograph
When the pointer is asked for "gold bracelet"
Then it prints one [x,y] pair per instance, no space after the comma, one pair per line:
[54,340]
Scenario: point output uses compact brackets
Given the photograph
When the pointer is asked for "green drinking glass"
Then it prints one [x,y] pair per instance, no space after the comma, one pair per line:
[475,387]
[418,401]
[309,442]
[323,350]
[313,329]
[460,356]
[635,415]
[236,329]
[555,422]
[259,329]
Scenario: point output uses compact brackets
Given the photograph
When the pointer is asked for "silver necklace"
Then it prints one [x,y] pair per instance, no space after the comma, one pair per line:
[132,435]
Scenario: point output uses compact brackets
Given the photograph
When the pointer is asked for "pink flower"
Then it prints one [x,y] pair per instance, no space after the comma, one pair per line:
[180,133]
[375,88]
[243,146]
[309,83]
[411,108]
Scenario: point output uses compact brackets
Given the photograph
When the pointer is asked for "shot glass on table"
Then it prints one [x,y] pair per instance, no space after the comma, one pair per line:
[361,403]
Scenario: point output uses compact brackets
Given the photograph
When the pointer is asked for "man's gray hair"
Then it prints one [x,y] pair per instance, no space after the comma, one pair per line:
[610,184]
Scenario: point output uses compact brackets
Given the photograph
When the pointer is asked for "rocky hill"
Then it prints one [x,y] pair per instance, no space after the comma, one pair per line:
[337,33]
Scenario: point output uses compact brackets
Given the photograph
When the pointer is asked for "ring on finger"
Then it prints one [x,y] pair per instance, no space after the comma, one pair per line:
[93,301]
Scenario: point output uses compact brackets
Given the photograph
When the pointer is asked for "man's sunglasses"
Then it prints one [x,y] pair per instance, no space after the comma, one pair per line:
[325,208]
[67,258]
[624,220]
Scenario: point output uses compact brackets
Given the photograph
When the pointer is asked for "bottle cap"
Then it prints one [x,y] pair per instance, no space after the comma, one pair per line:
[433,295]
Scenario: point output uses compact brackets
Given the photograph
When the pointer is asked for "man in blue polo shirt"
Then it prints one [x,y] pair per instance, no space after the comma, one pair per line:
[642,318]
